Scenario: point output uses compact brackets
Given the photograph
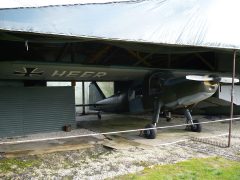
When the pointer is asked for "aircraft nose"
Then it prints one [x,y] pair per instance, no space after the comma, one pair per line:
[210,86]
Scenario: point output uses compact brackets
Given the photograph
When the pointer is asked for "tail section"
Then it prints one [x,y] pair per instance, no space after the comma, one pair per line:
[95,93]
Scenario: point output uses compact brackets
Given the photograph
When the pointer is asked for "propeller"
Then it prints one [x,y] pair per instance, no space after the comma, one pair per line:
[214,78]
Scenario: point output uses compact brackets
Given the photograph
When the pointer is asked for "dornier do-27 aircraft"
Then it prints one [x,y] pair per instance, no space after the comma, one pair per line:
[161,91]
[142,89]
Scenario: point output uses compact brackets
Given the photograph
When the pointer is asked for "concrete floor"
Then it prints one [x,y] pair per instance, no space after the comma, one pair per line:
[112,122]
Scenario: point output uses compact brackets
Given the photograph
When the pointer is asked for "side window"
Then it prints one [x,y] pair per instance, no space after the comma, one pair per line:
[139,91]
[135,92]
[131,94]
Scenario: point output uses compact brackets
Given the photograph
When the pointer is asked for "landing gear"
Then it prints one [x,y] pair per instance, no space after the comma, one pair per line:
[193,127]
[168,116]
[196,127]
[168,119]
[152,133]
[99,115]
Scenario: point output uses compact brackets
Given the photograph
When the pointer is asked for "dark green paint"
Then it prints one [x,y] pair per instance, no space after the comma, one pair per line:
[35,109]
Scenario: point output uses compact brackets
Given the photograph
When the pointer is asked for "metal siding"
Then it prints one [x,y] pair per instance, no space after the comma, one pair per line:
[50,110]
[197,23]
[225,93]
[10,112]
[36,109]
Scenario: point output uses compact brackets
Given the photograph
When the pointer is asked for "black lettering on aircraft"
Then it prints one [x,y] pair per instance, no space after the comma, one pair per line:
[29,72]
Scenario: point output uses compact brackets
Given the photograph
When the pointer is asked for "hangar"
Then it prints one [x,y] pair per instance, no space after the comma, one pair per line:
[99,42]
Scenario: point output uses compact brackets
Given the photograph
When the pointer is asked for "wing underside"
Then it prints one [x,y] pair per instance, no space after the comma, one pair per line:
[77,72]
[68,72]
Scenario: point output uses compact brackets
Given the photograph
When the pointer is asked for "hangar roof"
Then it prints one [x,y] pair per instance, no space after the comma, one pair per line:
[201,23]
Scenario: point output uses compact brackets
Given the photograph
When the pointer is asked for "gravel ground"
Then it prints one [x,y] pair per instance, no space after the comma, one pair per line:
[101,163]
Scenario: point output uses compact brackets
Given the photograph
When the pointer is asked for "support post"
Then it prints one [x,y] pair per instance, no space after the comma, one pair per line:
[83,98]
[73,83]
[232,96]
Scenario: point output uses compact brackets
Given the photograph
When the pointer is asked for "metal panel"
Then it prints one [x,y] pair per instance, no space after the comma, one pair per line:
[48,109]
[11,118]
[35,109]
[202,23]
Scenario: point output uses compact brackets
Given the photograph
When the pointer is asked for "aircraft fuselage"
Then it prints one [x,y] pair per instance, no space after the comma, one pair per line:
[183,93]
[173,94]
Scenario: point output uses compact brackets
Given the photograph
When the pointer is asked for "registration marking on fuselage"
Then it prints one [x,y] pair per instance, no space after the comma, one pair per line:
[79,74]
[32,71]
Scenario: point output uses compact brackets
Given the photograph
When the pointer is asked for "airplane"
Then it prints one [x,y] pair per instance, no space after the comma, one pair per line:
[138,90]
[161,91]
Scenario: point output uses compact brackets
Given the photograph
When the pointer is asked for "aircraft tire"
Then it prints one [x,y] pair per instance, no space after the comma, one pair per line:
[151,133]
[196,127]
[168,119]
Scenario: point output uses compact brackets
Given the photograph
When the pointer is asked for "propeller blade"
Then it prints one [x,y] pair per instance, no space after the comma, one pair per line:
[228,80]
[211,78]
[199,78]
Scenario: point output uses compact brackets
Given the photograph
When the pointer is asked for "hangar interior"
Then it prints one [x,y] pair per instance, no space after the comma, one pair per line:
[118,54]
[30,106]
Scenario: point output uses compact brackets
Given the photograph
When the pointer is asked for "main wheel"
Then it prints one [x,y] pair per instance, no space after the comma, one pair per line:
[196,127]
[150,133]
[168,119]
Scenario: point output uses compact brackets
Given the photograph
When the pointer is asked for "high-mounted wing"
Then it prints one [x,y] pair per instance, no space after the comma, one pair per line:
[68,72]
[78,72]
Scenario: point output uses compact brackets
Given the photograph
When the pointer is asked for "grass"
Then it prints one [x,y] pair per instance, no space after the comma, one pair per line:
[194,169]
[16,164]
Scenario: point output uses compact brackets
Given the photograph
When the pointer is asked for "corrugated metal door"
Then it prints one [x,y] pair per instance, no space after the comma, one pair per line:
[36,109]
[11,108]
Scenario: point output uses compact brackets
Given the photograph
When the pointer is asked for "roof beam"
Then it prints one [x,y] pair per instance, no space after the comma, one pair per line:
[99,54]
[145,58]
[63,52]
[210,66]
[140,59]
[109,57]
